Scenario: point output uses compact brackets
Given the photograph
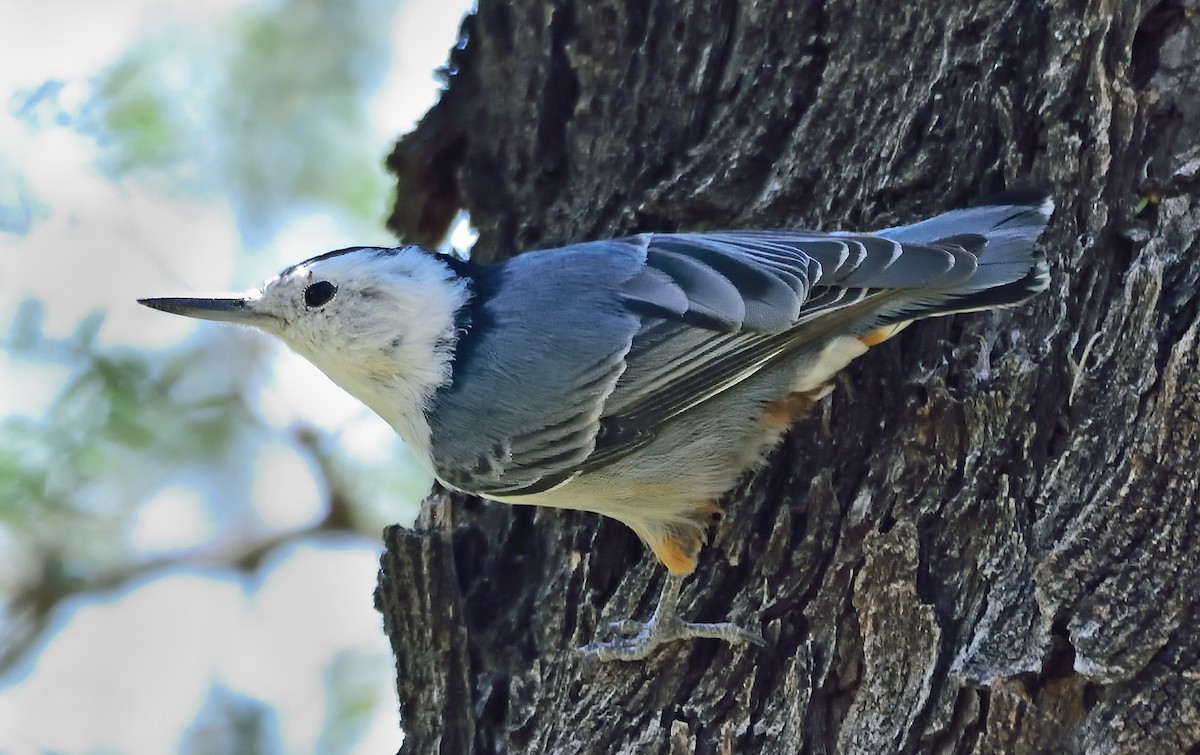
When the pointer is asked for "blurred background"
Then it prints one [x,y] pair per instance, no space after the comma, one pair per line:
[189,514]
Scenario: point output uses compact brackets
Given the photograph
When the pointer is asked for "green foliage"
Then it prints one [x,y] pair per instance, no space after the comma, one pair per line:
[122,422]
[265,106]
[142,128]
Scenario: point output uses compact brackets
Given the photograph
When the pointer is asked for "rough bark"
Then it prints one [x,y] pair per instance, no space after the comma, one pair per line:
[988,538]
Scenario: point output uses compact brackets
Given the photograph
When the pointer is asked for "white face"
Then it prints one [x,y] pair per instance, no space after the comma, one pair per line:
[378,322]
[361,309]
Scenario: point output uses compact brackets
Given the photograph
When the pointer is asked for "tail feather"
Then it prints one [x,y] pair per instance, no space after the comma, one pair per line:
[1011,268]
[1023,214]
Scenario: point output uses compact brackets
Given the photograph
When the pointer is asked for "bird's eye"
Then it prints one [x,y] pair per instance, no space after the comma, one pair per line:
[318,294]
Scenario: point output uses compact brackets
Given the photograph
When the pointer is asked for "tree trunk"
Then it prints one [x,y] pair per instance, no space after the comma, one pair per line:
[988,538]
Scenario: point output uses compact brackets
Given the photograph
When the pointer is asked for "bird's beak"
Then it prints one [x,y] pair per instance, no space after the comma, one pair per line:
[236,309]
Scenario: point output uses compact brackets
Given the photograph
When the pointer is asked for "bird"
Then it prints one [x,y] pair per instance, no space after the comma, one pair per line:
[640,377]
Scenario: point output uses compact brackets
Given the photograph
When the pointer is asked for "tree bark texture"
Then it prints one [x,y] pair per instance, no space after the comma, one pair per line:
[988,538]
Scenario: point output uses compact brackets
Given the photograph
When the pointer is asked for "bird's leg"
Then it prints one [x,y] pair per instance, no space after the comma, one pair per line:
[663,627]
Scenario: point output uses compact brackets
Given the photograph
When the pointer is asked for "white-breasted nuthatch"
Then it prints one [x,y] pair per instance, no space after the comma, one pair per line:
[639,377]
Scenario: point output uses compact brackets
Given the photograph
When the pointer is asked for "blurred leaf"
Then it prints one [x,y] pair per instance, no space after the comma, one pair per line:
[230,722]
[266,106]
[26,329]
[143,129]
[117,429]
[19,206]
[85,333]
[353,679]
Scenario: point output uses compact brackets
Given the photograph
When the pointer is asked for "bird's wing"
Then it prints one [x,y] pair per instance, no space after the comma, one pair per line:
[575,357]
[541,345]
[753,298]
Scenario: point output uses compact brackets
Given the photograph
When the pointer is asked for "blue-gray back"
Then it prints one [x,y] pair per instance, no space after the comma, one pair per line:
[571,358]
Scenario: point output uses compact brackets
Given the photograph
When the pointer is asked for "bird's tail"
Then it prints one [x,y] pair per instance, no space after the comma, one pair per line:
[1001,232]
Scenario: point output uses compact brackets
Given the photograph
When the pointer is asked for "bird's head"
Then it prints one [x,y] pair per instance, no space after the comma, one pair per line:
[374,320]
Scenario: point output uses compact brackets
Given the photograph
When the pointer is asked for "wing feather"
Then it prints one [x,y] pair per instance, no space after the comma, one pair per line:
[681,318]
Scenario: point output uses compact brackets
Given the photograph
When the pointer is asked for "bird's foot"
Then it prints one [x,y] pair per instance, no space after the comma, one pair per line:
[644,638]
[665,626]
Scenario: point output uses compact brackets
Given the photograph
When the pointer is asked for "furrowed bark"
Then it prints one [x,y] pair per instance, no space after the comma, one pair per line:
[987,539]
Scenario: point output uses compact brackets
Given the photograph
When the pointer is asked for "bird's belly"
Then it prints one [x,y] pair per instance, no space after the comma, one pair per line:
[694,459]
[699,456]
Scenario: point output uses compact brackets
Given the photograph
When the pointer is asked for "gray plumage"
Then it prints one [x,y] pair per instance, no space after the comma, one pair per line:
[681,318]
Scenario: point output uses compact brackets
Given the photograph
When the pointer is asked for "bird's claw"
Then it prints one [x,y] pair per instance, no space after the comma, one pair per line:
[727,631]
[641,639]
[644,638]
